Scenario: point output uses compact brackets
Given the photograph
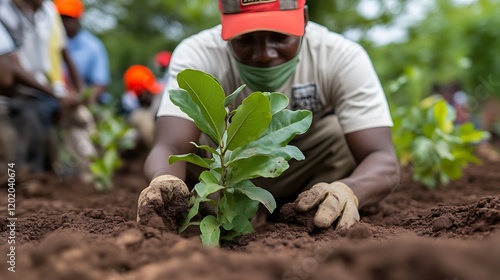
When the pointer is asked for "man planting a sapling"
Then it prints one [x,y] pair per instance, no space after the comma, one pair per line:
[270,46]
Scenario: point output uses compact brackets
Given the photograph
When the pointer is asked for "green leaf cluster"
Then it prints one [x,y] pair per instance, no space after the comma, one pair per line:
[252,141]
[427,139]
[110,138]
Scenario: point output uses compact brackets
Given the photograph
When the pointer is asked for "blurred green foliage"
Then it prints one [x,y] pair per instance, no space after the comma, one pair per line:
[431,144]
[110,138]
[452,41]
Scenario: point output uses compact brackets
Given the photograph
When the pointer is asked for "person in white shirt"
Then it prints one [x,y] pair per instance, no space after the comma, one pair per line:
[350,161]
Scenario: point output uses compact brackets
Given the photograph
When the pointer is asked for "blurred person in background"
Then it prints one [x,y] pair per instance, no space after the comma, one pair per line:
[459,102]
[86,50]
[161,62]
[37,28]
[490,122]
[141,88]
[456,99]
[30,24]
[490,117]
[8,136]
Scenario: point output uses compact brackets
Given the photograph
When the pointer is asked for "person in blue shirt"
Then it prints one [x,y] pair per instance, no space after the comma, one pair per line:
[87,51]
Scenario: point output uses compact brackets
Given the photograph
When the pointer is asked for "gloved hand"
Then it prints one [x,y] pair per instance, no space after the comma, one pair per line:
[154,199]
[335,200]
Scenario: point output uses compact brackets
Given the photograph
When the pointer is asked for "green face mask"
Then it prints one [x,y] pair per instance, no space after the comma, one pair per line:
[267,78]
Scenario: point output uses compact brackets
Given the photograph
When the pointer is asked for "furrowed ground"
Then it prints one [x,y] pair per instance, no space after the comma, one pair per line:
[66,230]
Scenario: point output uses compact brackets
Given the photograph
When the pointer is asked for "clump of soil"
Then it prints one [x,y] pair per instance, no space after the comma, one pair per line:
[289,214]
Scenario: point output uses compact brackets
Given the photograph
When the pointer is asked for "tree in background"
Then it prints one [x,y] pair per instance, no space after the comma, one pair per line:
[135,30]
[452,43]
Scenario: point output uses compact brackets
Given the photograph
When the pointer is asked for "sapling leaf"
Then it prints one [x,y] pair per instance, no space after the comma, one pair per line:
[441,116]
[109,160]
[229,99]
[251,119]
[210,231]
[192,158]
[182,99]
[443,150]
[208,94]
[453,171]
[257,166]
[193,211]
[277,100]
[469,134]
[286,124]
[242,225]
[96,168]
[266,148]
[210,177]
[259,194]
[206,148]
[207,185]
[233,204]
[227,225]
[227,211]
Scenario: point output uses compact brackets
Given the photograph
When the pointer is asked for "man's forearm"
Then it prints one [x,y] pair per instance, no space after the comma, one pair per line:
[96,92]
[156,164]
[26,79]
[374,178]
[76,80]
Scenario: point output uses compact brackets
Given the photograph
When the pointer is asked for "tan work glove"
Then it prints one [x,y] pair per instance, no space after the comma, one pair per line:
[335,200]
[154,199]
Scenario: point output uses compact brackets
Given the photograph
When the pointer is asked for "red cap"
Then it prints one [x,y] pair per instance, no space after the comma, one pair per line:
[163,58]
[139,78]
[70,8]
[244,16]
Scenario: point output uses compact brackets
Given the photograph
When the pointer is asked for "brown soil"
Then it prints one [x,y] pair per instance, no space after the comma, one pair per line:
[66,230]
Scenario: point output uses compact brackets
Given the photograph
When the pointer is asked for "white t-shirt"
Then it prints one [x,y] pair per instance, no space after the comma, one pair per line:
[31,33]
[6,43]
[333,73]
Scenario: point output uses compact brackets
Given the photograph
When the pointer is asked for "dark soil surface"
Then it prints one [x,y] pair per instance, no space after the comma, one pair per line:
[66,230]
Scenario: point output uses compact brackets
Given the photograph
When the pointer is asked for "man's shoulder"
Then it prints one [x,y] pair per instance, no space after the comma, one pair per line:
[319,36]
[9,13]
[88,36]
[209,37]
[6,43]
[206,45]
[7,4]
[10,16]
[91,40]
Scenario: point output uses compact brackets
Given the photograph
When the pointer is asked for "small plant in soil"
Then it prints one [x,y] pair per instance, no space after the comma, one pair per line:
[109,139]
[427,139]
[251,141]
